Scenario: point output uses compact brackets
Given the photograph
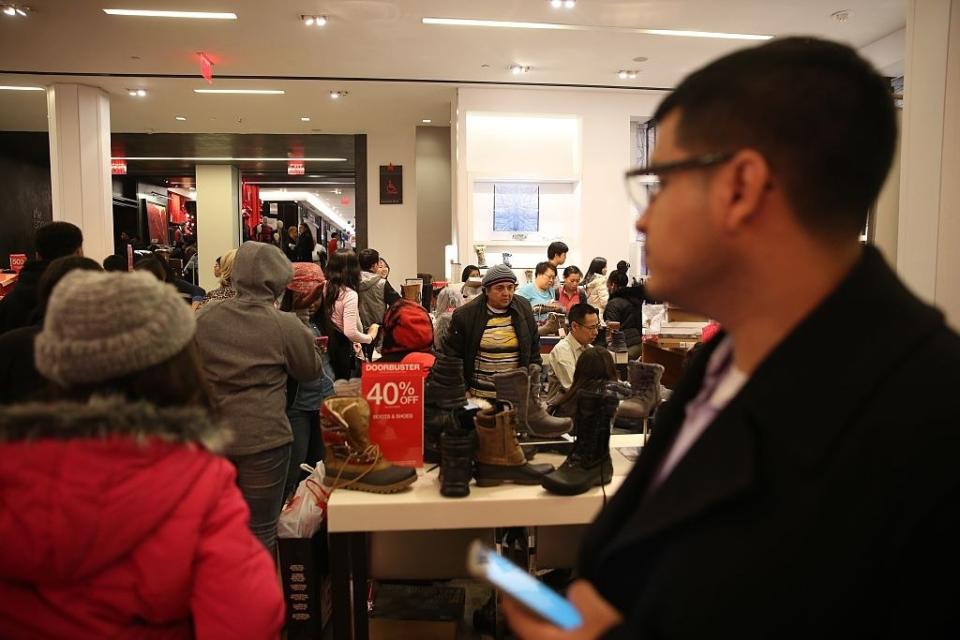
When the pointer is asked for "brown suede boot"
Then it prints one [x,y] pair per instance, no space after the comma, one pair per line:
[499,456]
[550,327]
[351,461]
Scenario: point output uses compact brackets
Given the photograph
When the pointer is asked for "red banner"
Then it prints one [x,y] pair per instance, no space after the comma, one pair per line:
[251,206]
[178,212]
[394,391]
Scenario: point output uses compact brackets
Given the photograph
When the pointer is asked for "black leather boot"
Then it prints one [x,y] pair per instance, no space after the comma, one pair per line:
[444,387]
[589,464]
[435,422]
[456,462]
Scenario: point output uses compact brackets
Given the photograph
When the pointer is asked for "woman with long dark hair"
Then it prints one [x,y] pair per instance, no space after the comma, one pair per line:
[305,244]
[595,368]
[596,284]
[340,316]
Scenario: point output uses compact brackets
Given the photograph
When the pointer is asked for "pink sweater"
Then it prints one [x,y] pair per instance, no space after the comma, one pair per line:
[346,317]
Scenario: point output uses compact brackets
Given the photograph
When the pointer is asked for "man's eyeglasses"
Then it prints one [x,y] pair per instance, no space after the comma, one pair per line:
[643,183]
[589,327]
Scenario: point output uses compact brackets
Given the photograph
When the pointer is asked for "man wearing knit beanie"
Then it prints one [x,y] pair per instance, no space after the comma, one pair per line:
[493,333]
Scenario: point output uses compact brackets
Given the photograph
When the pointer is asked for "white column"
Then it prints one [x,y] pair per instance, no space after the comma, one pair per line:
[218,217]
[929,226]
[79,124]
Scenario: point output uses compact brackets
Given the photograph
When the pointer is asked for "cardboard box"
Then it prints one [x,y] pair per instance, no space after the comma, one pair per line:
[306,585]
[673,361]
[676,314]
[424,612]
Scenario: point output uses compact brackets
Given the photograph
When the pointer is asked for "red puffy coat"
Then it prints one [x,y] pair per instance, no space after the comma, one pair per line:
[116,521]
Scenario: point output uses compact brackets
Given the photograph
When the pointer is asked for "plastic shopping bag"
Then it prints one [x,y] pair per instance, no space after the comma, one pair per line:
[304,514]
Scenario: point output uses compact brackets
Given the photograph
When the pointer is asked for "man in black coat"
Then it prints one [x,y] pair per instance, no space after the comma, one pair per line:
[803,479]
[53,240]
[507,321]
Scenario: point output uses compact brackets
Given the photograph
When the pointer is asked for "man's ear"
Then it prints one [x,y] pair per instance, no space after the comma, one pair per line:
[745,177]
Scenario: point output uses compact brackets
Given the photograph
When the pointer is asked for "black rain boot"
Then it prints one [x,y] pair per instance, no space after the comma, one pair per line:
[445,385]
[589,464]
[435,422]
[456,462]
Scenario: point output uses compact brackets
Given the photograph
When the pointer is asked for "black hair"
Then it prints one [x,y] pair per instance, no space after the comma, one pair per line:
[115,263]
[368,259]
[595,367]
[579,312]
[619,279]
[597,265]
[543,267]
[623,265]
[343,270]
[467,270]
[56,239]
[153,265]
[556,248]
[572,269]
[822,117]
[55,272]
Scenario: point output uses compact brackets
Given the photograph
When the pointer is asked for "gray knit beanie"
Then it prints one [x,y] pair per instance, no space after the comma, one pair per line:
[498,273]
[100,326]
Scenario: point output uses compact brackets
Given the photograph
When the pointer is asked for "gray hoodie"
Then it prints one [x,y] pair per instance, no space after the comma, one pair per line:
[248,347]
[371,302]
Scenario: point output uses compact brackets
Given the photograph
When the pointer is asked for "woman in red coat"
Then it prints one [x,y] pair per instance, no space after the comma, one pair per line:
[117,517]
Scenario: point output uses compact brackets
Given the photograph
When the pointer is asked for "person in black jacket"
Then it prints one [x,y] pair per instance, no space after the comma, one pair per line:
[53,240]
[19,379]
[303,251]
[626,307]
[492,333]
[798,484]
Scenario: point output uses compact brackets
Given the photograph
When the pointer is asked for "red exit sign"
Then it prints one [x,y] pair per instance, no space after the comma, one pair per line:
[118,167]
[295,168]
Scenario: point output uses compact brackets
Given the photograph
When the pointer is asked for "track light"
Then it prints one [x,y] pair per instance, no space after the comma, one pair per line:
[627,74]
[136,93]
[517,69]
[14,10]
[336,95]
[314,21]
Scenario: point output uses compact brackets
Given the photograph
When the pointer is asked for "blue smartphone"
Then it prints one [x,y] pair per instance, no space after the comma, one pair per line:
[484,563]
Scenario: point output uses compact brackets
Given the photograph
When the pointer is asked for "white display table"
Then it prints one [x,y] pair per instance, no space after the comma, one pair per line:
[351,515]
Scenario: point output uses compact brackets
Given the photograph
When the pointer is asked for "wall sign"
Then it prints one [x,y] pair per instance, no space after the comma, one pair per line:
[391,184]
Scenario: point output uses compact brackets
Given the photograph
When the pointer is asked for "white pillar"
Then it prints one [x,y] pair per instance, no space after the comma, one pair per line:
[79,124]
[929,224]
[218,217]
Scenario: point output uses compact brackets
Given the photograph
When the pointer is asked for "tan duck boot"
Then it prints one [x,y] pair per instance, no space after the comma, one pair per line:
[499,456]
[351,461]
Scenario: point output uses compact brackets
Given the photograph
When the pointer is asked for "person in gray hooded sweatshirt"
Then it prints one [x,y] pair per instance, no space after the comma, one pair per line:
[248,348]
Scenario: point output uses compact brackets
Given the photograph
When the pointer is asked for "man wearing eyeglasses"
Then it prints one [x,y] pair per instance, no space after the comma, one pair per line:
[802,481]
[584,323]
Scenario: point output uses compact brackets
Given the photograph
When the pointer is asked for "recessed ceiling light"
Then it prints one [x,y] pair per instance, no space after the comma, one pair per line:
[19,88]
[556,4]
[622,74]
[569,4]
[226,159]
[338,94]
[505,24]
[181,119]
[314,21]
[16,10]
[517,69]
[263,92]
[304,119]
[137,93]
[426,121]
[150,13]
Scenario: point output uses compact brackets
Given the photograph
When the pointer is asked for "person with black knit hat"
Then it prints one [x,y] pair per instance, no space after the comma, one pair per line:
[493,333]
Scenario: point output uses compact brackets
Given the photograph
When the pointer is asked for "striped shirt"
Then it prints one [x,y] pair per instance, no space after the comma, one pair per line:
[499,351]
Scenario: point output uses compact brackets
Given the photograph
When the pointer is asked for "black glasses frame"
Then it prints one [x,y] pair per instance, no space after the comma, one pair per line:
[697,162]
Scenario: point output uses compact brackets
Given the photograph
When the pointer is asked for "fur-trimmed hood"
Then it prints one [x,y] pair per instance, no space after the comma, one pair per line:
[83,485]
[102,417]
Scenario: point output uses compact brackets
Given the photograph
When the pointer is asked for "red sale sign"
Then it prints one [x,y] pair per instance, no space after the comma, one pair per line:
[394,391]
[17,260]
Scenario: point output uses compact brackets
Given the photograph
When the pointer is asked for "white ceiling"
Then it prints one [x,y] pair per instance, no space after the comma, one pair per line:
[379,40]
